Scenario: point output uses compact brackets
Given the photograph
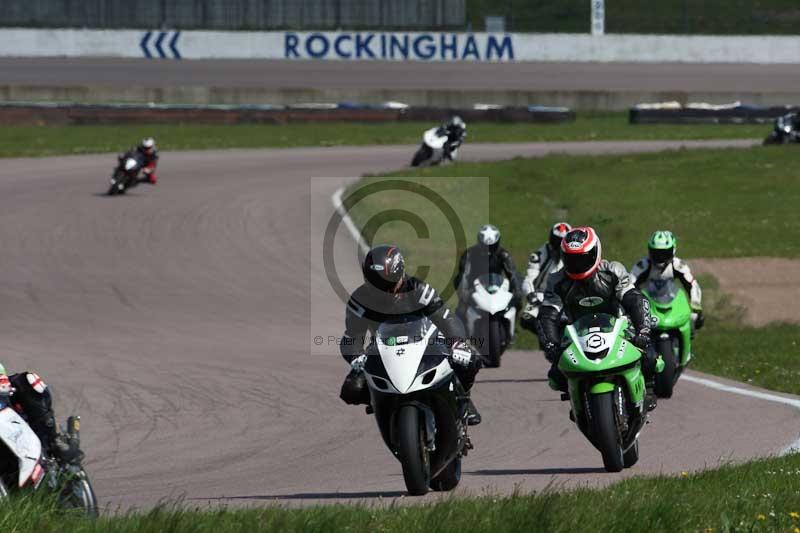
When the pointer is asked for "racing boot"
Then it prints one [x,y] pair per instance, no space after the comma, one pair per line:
[473,416]
[557,380]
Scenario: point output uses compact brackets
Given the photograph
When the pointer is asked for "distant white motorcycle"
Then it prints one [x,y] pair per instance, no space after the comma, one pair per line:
[419,403]
[24,467]
[490,316]
[434,149]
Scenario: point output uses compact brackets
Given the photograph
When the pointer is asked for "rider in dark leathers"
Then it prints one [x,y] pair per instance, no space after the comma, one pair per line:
[487,256]
[589,284]
[387,292]
[30,397]
[456,130]
[147,148]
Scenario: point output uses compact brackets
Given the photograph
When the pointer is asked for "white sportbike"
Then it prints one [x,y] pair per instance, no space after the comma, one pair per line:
[434,149]
[419,403]
[490,317]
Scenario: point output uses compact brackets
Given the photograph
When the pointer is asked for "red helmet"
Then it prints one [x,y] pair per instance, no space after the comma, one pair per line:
[581,252]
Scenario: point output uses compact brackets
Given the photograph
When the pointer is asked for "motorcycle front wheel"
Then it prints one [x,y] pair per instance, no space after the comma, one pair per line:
[411,451]
[78,494]
[423,154]
[665,380]
[605,431]
[495,340]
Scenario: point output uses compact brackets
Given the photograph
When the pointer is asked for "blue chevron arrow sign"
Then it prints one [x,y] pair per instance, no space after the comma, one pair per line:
[158,47]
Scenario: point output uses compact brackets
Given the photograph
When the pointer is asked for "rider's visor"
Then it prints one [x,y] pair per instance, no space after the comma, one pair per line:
[580,263]
[662,256]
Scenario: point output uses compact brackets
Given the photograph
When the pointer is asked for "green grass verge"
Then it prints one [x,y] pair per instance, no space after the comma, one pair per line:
[16,141]
[720,203]
[742,17]
[762,495]
[764,356]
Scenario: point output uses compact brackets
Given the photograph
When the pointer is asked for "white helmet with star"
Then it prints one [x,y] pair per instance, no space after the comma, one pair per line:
[488,235]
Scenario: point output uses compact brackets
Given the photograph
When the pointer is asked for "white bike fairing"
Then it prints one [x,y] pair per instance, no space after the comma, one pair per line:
[20,439]
[492,302]
[433,140]
[402,360]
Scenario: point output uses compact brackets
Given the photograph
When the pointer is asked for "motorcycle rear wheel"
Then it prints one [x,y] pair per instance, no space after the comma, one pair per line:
[605,432]
[449,478]
[411,451]
[631,457]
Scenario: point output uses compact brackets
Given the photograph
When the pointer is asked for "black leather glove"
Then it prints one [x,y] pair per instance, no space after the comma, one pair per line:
[699,321]
[552,351]
[642,339]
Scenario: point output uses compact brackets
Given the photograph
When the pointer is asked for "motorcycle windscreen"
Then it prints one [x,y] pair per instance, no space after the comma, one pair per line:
[401,345]
[20,439]
[662,291]
[491,293]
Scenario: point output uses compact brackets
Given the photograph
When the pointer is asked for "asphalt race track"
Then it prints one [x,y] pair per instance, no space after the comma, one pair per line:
[461,76]
[175,320]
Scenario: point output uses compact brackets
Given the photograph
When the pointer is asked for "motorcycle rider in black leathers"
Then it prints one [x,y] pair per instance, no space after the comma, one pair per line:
[541,263]
[27,394]
[589,284]
[456,130]
[387,292]
[487,256]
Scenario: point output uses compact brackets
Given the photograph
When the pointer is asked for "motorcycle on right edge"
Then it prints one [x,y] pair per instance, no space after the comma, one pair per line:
[606,386]
[784,132]
[672,331]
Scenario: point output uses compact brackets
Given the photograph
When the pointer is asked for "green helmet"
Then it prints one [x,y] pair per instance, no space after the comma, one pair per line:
[661,247]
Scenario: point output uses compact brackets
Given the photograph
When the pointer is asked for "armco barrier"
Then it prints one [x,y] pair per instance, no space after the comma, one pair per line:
[397,46]
[24,113]
[741,114]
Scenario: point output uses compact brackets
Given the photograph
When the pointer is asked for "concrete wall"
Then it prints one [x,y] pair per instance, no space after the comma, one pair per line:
[400,46]
[235,14]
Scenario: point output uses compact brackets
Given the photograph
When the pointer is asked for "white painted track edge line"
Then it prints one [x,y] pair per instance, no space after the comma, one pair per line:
[792,402]
[336,199]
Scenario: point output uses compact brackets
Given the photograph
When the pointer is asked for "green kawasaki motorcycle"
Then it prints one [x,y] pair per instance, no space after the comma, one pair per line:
[606,386]
[672,331]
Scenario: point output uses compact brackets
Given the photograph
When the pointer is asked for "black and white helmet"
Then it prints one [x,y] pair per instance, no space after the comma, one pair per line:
[489,237]
[384,268]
